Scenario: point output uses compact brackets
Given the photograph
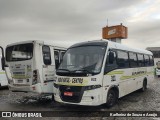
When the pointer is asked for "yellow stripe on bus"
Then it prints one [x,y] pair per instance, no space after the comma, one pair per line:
[72,84]
[115,72]
[134,76]
[2,72]
[20,77]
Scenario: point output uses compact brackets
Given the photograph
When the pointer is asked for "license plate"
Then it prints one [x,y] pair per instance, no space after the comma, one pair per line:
[20,81]
[68,93]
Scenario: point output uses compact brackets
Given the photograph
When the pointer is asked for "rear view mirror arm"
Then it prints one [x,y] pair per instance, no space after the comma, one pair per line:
[3,59]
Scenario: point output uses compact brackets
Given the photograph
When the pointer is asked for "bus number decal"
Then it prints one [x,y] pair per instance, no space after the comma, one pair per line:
[77,80]
[63,80]
[113,78]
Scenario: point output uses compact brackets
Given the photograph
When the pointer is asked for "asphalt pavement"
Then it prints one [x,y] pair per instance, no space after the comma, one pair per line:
[136,101]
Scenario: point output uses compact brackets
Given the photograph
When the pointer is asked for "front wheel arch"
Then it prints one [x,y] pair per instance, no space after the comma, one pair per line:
[112,96]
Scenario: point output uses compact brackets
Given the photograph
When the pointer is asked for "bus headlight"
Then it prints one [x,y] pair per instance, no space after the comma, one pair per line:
[91,87]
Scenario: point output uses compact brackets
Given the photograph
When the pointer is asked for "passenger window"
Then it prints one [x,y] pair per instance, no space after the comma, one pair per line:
[56,57]
[122,59]
[151,61]
[133,59]
[111,62]
[46,55]
[146,60]
[140,60]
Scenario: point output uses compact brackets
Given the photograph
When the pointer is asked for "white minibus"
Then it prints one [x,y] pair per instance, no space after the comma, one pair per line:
[3,78]
[30,66]
[99,72]
[158,68]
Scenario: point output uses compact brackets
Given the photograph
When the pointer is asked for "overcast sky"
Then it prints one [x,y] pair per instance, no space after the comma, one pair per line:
[71,21]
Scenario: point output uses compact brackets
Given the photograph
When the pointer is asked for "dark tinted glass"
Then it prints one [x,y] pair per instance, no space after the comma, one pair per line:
[122,59]
[146,60]
[140,60]
[56,57]
[46,55]
[133,59]
[19,52]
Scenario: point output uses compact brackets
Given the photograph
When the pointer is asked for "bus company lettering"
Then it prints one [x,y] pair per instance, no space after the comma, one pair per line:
[139,72]
[63,80]
[77,80]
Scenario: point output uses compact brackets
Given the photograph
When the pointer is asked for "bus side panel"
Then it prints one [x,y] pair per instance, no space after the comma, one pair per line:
[150,74]
[127,80]
[48,74]
[8,73]
[3,78]
[48,77]
[37,65]
[122,79]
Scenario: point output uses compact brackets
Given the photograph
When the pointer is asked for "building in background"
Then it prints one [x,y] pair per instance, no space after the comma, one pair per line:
[156,53]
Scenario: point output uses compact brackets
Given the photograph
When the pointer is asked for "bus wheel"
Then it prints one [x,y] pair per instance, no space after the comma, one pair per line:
[53,97]
[111,98]
[144,87]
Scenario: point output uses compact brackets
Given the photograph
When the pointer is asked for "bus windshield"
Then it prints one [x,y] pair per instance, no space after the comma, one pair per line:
[83,59]
[19,52]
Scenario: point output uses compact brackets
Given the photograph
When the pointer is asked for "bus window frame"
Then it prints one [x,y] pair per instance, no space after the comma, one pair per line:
[137,65]
[115,66]
[118,60]
[33,48]
[129,66]
[50,60]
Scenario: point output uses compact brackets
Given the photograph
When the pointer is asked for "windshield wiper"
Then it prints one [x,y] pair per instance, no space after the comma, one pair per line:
[83,70]
[63,70]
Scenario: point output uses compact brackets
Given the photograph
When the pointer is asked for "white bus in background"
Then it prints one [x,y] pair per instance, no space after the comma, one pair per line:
[158,68]
[30,66]
[3,78]
[100,72]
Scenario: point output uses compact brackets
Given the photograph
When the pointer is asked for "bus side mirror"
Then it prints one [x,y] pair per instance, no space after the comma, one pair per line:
[111,57]
[3,63]
[2,59]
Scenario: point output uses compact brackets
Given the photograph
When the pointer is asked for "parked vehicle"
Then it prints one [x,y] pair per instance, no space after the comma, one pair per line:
[3,78]
[30,66]
[99,72]
[158,68]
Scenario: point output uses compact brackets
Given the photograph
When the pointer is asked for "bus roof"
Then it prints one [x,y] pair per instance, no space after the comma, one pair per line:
[91,43]
[126,48]
[39,42]
[111,44]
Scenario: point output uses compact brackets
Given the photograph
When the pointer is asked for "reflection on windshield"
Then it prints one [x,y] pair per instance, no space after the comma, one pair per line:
[19,52]
[83,59]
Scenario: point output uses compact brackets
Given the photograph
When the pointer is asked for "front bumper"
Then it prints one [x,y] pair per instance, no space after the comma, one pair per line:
[89,98]
[37,88]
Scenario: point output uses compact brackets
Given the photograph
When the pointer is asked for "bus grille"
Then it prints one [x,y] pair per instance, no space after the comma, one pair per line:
[76,90]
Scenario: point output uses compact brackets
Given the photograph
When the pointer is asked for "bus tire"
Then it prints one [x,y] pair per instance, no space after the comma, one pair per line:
[111,98]
[53,97]
[144,87]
